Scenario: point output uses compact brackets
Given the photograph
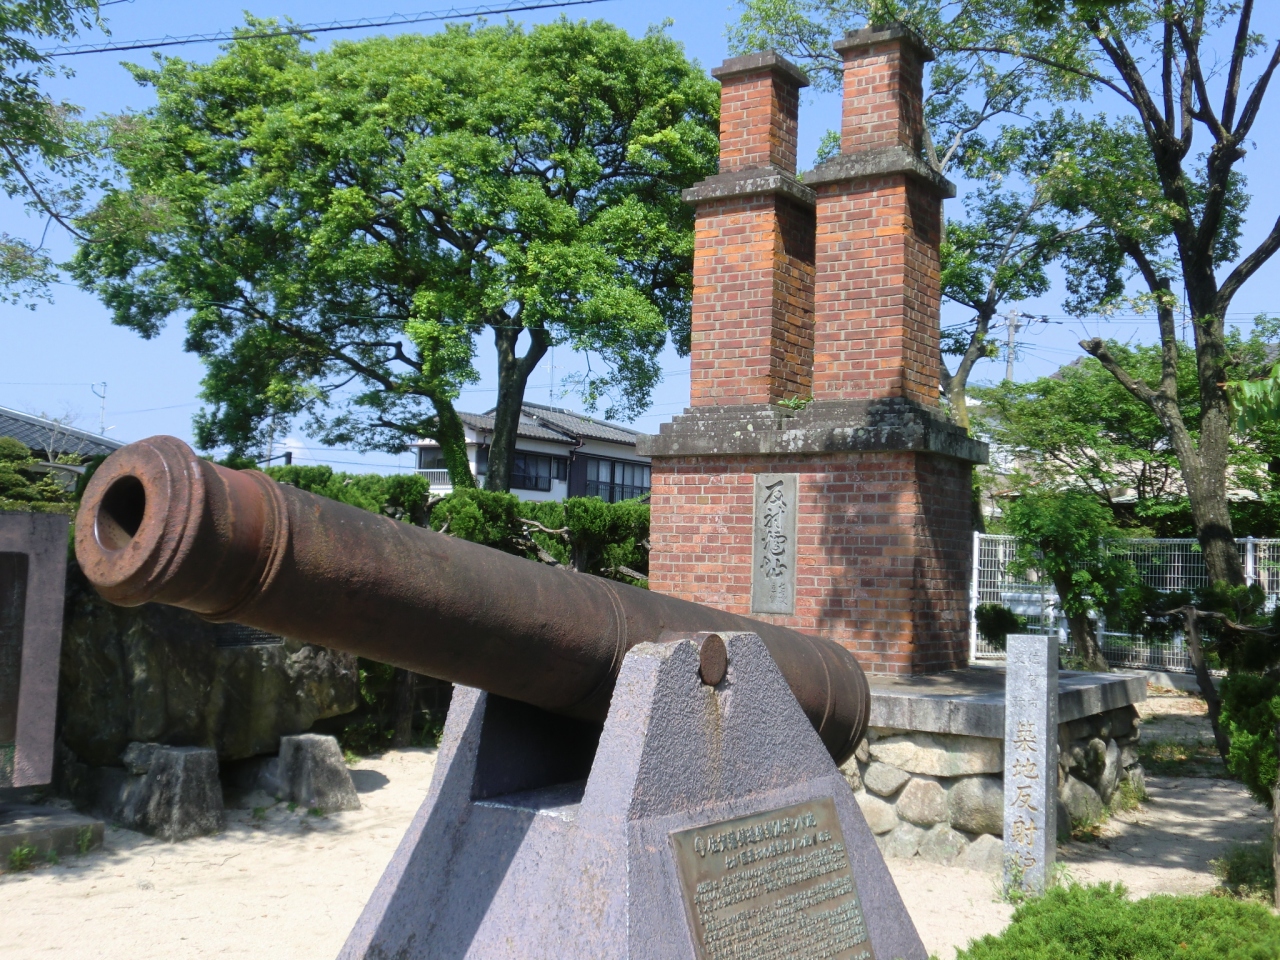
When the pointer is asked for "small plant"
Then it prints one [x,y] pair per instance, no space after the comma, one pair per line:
[350,757]
[995,623]
[795,403]
[259,813]
[292,806]
[315,811]
[22,857]
[1174,758]
[1246,872]
[51,858]
[1127,797]
[84,840]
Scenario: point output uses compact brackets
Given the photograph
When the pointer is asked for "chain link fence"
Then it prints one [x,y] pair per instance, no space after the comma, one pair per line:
[1164,564]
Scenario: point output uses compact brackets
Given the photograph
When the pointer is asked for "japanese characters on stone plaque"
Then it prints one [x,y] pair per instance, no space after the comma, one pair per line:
[1030,761]
[772,886]
[773,552]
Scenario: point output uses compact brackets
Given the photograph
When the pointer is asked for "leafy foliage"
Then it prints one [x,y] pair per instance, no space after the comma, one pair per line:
[1250,712]
[1247,871]
[22,487]
[399,496]
[995,623]
[343,226]
[46,155]
[1101,923]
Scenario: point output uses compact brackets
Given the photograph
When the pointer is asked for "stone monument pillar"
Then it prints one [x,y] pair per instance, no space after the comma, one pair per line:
[814,481]
[1030,762]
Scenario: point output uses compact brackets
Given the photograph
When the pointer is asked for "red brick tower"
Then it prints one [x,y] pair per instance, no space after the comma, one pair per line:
[850,517]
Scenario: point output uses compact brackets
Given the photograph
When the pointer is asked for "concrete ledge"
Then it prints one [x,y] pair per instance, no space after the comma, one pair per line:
[878,163]
[757,62]
[752,182]
[46,831]
[874,34]
[895,424]
[971,702]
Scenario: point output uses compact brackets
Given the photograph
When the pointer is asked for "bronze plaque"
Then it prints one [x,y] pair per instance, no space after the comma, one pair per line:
[772,886]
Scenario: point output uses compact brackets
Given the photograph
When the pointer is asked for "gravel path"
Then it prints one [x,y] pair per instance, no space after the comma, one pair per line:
[286,885]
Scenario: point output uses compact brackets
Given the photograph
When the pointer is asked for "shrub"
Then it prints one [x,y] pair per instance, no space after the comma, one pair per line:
[1250,711]
[995,623]
[1101,923]
[1247,871]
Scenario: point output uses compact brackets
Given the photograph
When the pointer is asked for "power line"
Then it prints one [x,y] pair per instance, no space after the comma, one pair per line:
[365,23]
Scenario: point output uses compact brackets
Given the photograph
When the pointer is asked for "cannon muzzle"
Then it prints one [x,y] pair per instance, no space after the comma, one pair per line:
[158,523]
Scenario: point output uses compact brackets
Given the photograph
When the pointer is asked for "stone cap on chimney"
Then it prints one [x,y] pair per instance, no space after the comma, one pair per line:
[756,62]
[881,162]
[872,35]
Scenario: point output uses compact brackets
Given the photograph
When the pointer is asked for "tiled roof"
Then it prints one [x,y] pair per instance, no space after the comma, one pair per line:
[556,425]
[39,434]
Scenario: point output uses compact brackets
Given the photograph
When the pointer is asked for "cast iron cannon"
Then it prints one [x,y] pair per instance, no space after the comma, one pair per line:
[158,523]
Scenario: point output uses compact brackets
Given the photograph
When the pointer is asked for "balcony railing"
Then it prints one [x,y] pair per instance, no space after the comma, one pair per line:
[439,479]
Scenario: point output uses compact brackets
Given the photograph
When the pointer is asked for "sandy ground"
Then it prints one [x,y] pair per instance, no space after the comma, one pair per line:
[288,885]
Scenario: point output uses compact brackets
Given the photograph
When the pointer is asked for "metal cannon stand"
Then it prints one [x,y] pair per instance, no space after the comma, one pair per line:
[709,822]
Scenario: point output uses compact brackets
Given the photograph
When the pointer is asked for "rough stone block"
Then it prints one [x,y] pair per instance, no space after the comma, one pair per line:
[923,802]
[46,830]
[1081,800]
[885,780]
[852,774]
[903,842]
[313,774]
[940,755]
[1137,779]
[879,815]
[863,751]
[137,757]
[985,854]
[976,805]
[942,845]
[1111,771]
[181,795]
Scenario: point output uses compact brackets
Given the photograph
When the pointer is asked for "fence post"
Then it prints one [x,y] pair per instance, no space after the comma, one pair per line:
[975,582]
[1250,561]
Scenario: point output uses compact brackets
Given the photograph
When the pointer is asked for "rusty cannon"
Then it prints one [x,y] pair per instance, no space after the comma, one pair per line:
[157,523]
[622,775]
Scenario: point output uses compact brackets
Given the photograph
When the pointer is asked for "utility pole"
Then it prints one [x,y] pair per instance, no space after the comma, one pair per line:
[1014,325]
[102,412]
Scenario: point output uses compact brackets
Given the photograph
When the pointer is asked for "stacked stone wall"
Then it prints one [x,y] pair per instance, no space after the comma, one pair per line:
[940,797]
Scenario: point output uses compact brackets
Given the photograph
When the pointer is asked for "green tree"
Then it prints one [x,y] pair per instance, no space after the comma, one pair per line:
[1069,537]
[44,152]
[1159,181]
[345,226]
[1080,427]
[25,486]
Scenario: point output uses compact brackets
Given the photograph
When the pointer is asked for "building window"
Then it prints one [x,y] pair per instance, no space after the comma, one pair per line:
[529,471]
[615,480]
[431,458]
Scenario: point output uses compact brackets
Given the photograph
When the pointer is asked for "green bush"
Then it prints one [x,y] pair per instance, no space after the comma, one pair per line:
[995,623]
[400,496]
[1250,711]
[1101,923]
[1247,871]
[24,487]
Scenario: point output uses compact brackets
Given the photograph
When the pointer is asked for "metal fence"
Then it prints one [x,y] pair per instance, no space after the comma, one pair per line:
[1164,564]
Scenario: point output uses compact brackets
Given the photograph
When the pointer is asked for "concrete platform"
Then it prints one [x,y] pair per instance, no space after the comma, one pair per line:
[46,830]
[970,702]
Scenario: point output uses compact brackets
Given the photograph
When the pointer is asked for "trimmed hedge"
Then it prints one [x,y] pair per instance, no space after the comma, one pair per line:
[1101,923]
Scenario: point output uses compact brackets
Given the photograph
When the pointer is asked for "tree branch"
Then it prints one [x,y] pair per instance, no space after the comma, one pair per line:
[1246,268]
[1254,103]
[1238,53]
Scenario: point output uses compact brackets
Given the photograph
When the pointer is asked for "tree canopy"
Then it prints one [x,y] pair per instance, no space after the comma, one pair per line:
[342,227]
[1153,182]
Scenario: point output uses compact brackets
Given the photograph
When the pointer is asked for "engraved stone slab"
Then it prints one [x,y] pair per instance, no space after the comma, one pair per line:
[773,551]
[1030,762]
[776,884]
[33,570]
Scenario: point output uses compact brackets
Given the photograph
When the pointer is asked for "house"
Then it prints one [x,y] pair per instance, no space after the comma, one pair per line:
[558,454]
[50,439]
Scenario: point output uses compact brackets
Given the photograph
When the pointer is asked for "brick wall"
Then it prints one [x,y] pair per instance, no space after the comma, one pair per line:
[883,90]
[883,549]
[759,119]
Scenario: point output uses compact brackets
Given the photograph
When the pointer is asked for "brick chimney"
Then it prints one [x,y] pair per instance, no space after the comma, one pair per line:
[879,225]
[851,516]
[752,333]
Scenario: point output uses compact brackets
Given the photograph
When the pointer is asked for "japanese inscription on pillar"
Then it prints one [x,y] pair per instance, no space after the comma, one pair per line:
[772,886]
[1030,761]
[773,554]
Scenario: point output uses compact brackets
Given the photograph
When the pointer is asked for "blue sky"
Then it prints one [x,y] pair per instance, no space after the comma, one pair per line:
[54,353]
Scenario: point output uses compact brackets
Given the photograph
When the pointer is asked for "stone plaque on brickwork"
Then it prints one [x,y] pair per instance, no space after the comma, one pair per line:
[773,885]
[773,552]
[33,570]
[1030,761]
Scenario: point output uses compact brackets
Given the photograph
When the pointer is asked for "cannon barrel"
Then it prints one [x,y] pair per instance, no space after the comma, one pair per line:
[157,523]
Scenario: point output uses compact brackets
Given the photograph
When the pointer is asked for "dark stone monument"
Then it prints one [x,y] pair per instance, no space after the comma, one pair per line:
[710,824]
[33,569]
